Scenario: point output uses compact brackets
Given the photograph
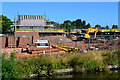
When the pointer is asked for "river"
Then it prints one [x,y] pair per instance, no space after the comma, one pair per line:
[112,75]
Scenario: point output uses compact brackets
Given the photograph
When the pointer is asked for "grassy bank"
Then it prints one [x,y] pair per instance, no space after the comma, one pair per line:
[46,64]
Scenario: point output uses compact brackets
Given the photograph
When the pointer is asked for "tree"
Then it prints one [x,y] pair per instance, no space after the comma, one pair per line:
[107,27]
[114,27]
[6,24]
[84,22]
[88,26]
[79,23]
[98,26]
[73,24]
[67,25]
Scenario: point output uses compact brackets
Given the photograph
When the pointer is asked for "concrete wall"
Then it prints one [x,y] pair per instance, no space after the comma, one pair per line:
[31,20]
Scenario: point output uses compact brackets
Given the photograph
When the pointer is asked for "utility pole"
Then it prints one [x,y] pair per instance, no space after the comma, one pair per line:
[15,24]
[76,44]
[15,31]
[88,43]
[114,40]
[50,49]
[59,43]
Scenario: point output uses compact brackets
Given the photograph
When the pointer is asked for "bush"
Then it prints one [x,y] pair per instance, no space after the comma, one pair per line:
[9,67]
[45,64]
[91,65]
[111,58]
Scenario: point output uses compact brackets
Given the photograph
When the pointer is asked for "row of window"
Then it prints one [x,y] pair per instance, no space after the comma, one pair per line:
[30,27]
[22,17]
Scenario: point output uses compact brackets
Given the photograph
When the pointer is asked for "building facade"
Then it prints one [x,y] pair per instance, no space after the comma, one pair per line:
[32,23]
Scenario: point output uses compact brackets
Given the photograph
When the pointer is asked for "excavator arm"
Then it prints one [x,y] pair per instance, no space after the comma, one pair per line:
[92,30]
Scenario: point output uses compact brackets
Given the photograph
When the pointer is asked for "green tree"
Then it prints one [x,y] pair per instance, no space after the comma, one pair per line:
[98,26]
[73,24]
[114,27]
[107,27]
[57,25]
[88,26]
[6,24]
[84,22]
[78,24]
[67,25]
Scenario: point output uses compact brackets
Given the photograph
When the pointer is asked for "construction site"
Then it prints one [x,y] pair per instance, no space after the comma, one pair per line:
[47,40]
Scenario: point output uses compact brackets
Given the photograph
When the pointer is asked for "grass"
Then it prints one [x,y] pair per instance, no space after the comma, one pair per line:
[46,64]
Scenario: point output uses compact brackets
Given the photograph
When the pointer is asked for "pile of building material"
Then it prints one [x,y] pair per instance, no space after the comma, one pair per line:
[83,45]
[107,44]
[64,41]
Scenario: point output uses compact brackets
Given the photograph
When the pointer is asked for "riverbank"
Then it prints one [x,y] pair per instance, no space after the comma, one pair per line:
[45,65]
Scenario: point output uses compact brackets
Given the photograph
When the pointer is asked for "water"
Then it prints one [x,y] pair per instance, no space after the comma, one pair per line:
[114,75]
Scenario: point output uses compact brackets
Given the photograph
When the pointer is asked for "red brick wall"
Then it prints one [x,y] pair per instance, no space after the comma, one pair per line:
[2,42]
[34,34]
[23,42]
[11,41]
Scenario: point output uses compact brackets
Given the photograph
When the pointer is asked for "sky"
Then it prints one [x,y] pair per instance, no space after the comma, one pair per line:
[60,0]
[103,13]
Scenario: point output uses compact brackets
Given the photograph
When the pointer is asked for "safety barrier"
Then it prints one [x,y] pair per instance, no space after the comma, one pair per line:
[110,30]
[41,30]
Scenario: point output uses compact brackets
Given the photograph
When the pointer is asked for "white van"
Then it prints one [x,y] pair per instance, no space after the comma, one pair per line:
[42,43]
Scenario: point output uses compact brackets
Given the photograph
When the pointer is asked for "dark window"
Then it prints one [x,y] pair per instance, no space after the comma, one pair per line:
[43,44]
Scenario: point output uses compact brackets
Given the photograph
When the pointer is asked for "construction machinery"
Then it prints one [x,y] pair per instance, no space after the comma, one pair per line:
[72,36]
[83,35]
[65,48]
[91,30]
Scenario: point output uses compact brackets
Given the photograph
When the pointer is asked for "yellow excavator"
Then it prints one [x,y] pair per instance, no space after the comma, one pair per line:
[91,30]
[85,35]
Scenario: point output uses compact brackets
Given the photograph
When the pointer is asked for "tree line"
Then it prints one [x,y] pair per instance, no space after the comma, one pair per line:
[67,25]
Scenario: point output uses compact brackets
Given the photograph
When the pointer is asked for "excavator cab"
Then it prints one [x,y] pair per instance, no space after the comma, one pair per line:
[82,36]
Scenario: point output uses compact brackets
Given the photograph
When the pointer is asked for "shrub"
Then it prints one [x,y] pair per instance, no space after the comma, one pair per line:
[91,65]
[45,64]
[111,59]
[9,67]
